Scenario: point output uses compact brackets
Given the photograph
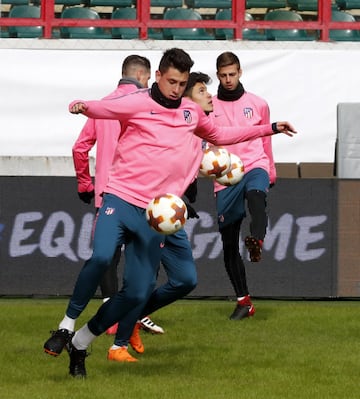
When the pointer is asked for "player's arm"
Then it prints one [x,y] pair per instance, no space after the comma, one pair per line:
[267,144]
[80,152]
[118,109]
[220,135]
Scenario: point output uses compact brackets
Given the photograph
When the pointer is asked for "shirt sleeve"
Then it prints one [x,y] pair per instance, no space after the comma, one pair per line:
[221,135]
[267,144]
[80,153]
[118,108]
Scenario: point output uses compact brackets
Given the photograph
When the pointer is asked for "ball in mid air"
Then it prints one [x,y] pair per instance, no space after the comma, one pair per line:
[166,213]
[215,162]
[235,174]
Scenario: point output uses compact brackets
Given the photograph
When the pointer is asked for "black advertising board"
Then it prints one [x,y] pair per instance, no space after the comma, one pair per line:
[45,236]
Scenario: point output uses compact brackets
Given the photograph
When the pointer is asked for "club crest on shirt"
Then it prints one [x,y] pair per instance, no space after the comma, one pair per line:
[248,112]
[109,211]
[187,116]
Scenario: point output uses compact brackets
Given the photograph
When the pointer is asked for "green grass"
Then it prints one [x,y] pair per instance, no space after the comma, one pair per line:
[290,349]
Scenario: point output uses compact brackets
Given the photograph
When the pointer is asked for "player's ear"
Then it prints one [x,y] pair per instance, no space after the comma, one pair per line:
[157,75]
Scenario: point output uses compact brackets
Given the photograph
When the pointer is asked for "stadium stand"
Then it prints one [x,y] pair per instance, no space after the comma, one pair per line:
[343,34]
[228,34]
[185,33]
[150,21]
[82,32]
[286,34]
[25,11]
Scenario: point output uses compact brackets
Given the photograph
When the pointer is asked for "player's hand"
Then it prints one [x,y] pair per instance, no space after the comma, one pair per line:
[285,127]
[87,196]
[191,191]
[78,108]
[191,212]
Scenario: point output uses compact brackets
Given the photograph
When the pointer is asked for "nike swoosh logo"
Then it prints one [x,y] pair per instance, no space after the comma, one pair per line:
[216,115]
[153,113]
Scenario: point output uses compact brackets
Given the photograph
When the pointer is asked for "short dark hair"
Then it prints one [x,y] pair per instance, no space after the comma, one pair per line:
[227,58]
[175,58]
[132,61]
[196,77]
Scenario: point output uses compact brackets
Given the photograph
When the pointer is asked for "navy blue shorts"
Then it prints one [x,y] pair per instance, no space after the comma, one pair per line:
[230,202]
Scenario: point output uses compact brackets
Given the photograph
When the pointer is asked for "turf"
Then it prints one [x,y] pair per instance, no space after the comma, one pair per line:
[289,349]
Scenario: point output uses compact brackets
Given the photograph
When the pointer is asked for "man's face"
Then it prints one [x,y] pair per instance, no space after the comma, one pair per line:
[172,83]
[201,96]
[229,76]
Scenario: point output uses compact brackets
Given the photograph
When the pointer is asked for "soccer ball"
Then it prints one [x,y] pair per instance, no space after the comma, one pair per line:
[215,162]
[166,213]
[235,173]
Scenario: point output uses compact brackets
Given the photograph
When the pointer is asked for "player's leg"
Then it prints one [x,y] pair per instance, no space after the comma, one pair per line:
[109,284]
[231,211]
[107,237]
[142,259]
[180,268]
[257,186]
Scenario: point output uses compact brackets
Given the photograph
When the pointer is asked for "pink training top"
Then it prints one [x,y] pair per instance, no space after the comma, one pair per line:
[248,110]
[105,133]
[156,152]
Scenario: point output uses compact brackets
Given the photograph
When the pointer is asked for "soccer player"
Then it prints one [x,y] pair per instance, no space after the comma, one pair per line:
[104,133]
[152,157]
[234,106]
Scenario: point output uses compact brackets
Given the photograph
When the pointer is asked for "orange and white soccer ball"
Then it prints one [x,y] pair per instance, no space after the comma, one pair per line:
[235,174]
[166,213]
[215,162]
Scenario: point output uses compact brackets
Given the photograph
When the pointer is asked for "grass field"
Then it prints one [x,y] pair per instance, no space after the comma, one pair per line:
[289,349]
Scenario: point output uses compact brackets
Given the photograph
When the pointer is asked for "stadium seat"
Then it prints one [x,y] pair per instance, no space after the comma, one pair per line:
[348,4]
[109,3]
[303,5]
[228,34]
[166,3]
[25,11]
[64,3]
[15,2]
[343,34]
[218,4]
[286,34]
[82,32]
[122,32]
[184,33]
[163,3]
[268,4]
[130,33]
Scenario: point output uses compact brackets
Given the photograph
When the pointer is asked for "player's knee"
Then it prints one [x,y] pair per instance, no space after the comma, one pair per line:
[256,199]
[100,262]
[138,295]
[186,283]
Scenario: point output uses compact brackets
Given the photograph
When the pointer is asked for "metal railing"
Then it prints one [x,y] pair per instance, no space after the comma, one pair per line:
[143,21]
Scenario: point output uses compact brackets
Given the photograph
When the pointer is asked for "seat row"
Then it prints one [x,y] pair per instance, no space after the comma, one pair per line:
[129,13]
[298,5]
